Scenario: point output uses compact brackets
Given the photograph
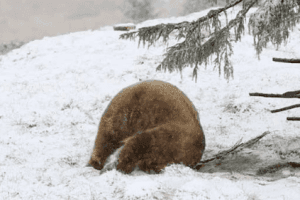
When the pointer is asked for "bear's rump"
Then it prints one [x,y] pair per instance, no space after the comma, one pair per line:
[156,123]
[155,148]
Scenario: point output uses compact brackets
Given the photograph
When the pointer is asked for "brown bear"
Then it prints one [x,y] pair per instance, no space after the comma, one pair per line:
[152,124]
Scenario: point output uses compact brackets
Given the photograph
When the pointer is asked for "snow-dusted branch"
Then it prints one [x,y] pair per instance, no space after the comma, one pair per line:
[153,33]
[236,148]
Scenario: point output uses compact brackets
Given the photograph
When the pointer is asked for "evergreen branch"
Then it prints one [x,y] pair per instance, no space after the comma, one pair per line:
[153,33]
[191,51]
[212,14]
[272,23]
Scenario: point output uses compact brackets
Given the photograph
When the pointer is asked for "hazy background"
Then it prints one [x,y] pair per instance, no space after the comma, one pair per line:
[25,20]
[22,20]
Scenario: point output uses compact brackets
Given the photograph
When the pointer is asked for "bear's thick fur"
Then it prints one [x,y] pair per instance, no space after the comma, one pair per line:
[155,123]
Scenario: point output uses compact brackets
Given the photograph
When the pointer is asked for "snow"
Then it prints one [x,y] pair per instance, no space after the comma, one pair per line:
[54,91]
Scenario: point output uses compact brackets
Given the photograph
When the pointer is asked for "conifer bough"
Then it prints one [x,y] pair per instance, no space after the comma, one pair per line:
[271,22]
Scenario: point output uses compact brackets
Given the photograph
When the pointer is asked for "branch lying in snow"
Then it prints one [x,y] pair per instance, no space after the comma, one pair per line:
[293,118]
[291,94]
[236,148]
[276,167]
[285,60]
[285,108]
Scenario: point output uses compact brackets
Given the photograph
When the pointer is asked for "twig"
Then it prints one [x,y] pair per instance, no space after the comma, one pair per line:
[236,148]
[286,60]
[285,108]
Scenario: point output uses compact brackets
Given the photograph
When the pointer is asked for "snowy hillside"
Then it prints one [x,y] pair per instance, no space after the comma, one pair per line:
[54,91]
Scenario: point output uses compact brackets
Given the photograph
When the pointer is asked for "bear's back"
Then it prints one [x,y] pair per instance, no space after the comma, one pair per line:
[152,94]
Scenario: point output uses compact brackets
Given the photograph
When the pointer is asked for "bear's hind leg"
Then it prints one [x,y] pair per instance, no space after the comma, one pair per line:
[105,147]
[135,147]
[150,150]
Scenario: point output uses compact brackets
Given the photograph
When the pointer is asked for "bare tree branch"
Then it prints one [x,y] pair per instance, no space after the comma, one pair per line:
[285,95]
[293,118]
[236,148]
[276,167]
[286,108]
[291,93]
[285,60]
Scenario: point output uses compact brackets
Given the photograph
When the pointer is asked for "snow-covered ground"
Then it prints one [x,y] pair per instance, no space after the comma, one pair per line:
[53,92]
